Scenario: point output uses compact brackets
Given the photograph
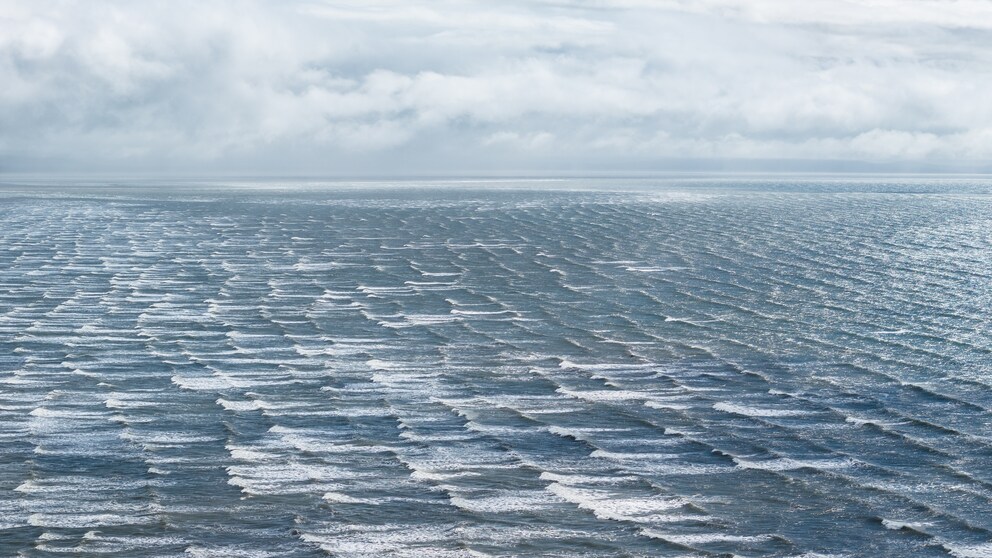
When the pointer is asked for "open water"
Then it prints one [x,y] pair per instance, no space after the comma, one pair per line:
[698,368]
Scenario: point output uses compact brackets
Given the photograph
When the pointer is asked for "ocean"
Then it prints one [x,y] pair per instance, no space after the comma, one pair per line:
[691,367]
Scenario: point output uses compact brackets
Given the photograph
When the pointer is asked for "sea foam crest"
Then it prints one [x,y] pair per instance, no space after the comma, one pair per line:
[611,505]
[757,411]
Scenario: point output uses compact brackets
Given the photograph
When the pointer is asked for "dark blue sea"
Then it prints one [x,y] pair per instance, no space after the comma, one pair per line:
[675,367]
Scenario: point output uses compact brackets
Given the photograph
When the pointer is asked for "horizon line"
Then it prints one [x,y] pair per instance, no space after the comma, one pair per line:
[479,175]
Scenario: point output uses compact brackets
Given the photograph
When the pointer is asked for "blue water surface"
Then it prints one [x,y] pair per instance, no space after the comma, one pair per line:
[656,367]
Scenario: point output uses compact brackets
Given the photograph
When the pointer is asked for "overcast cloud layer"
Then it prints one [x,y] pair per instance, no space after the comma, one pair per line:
[374,86]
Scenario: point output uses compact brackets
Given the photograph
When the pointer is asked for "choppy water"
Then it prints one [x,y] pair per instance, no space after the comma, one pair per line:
[681,369]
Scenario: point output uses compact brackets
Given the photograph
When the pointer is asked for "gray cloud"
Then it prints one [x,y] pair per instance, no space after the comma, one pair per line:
[457,86]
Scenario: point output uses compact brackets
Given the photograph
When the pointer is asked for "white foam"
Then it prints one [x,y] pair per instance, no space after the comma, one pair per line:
[789,464]
[283,478]
[317,266]
[378,364]
[609,505]
[125,403]
[584,434]
[248,453]
[401,541]
[170,438]
[235,552]
[507,501]
[411,320]
[603,395]
[238,406]
[316,351]
[78,520]
[45,412]
[339,498]
[652,269]
[492,429]
[703,538]
[585,479]
[856,421]
[316,444]
[689,469]
[664,405]
[685,320]
[47,536]
[756,411]
[28,486]
[896,525]
[443,436]
[482,312]
[202,383]
[438,476]
[964,550]
[607,366]
[637,456]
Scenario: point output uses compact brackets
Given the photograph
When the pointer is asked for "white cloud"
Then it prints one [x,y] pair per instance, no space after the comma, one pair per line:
[339,86]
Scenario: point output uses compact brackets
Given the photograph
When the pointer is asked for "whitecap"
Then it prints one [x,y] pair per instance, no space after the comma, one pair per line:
[665,405]
[635,456]
[339,498]
[509,501]
[895,525]
[703,538]
[238,406]
[756,411]
[789,464]
[613,506]
[968,550]
[78,521]
[572,479]
[603,395]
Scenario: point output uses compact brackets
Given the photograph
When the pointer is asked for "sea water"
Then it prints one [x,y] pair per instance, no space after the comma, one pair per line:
[678,367]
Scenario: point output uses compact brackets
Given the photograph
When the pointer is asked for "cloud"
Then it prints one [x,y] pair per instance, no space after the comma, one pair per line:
[458,85]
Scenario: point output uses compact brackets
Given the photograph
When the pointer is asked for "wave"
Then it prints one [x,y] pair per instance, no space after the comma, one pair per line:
[898,525]
[690,540]
[339,498]
[632,456]
[238,406]
[438,476]
[968,550]
[236,551]
[602,395]
[611,506]
[790,464]
[507,501]
[672,406]
[583,434]
[748,411]
[573,479]
[87,521]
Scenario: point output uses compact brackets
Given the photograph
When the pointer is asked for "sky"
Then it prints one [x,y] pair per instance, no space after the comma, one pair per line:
[382,87]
